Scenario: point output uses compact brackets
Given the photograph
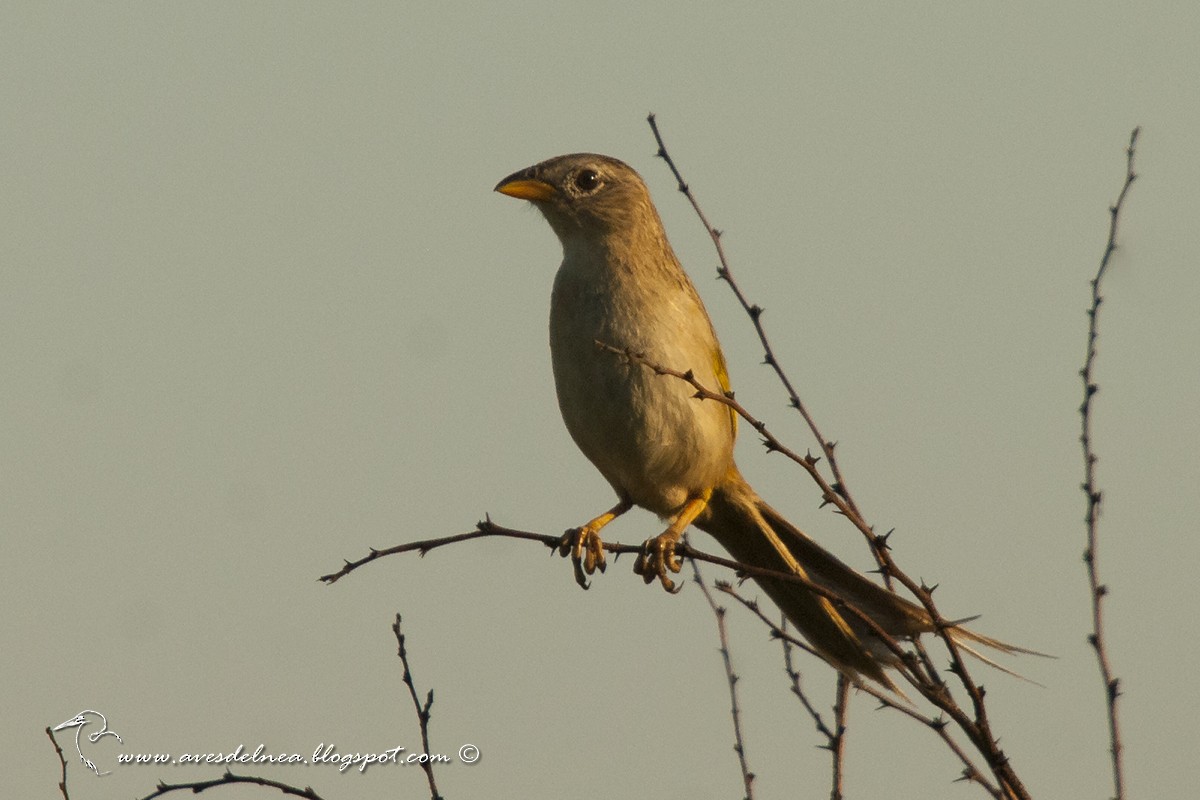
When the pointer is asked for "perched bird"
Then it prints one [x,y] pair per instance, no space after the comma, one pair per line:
[657,444]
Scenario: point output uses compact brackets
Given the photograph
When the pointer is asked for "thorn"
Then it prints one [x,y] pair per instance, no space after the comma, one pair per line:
[755,311]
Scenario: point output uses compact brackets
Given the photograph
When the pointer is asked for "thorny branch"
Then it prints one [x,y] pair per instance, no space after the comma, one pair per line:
[62,784]
[487,528]
[755,312]
[196,787]
[837,747]
[423,710]
[939,726]
[835,737]
[976,726]
[1112,684]
[739,744]
[927,680]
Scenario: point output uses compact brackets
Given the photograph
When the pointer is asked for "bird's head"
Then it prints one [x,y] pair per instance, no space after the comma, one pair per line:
[77,721]
[585,194]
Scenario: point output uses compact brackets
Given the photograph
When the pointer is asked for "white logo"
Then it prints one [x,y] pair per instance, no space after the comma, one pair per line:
[77,722]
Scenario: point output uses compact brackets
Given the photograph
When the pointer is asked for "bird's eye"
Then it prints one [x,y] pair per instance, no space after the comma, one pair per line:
[587,180]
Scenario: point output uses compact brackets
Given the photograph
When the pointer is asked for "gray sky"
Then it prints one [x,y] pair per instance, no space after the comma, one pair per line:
[260,310]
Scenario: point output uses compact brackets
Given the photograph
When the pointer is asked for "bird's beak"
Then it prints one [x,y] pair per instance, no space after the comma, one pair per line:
[523,187]
[71,723]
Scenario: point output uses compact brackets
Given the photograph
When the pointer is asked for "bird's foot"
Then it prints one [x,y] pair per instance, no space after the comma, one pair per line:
[585,548]
[657,557]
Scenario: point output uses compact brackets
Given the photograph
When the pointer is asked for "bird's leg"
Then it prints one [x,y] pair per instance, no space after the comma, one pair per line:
[584,546]
[658,554]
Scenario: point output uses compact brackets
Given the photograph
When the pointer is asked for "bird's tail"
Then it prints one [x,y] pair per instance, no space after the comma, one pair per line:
[756,534]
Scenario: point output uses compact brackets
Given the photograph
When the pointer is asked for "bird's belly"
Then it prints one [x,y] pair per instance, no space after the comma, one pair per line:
[655,442]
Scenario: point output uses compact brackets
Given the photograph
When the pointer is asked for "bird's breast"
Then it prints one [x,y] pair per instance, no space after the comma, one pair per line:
[647,434]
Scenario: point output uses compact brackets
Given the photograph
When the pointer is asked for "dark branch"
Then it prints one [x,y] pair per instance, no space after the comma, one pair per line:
[62,784]
[739,744]
[423,710]
[228,779]
[1090,489]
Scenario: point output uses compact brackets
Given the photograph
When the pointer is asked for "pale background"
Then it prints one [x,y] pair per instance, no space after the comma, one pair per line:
[260,310]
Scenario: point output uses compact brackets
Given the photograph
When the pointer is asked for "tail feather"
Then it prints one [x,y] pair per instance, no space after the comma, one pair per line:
[754,533]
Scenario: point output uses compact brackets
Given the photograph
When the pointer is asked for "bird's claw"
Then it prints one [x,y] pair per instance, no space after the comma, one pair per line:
[657,557]
[585,548]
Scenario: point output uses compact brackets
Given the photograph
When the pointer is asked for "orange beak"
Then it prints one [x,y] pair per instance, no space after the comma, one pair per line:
[525,188]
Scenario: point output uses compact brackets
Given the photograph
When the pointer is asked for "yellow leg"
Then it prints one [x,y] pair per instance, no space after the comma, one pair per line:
[584,545]
[658,554]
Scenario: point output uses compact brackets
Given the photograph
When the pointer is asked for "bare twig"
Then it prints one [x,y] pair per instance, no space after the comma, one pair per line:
[835,737]
[837,746]
[483,529]
[755,312]
[788,642]
[487,528]
[62,784]
[423,710]
[976,726]
[1112,684]
[739,743]
[196,787]
[938,726]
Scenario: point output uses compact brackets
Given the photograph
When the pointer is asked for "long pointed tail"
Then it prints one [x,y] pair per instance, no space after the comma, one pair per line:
[754,533]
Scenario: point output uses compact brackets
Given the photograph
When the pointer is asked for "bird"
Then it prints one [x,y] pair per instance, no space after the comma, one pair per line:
[77,722]
[621,288]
